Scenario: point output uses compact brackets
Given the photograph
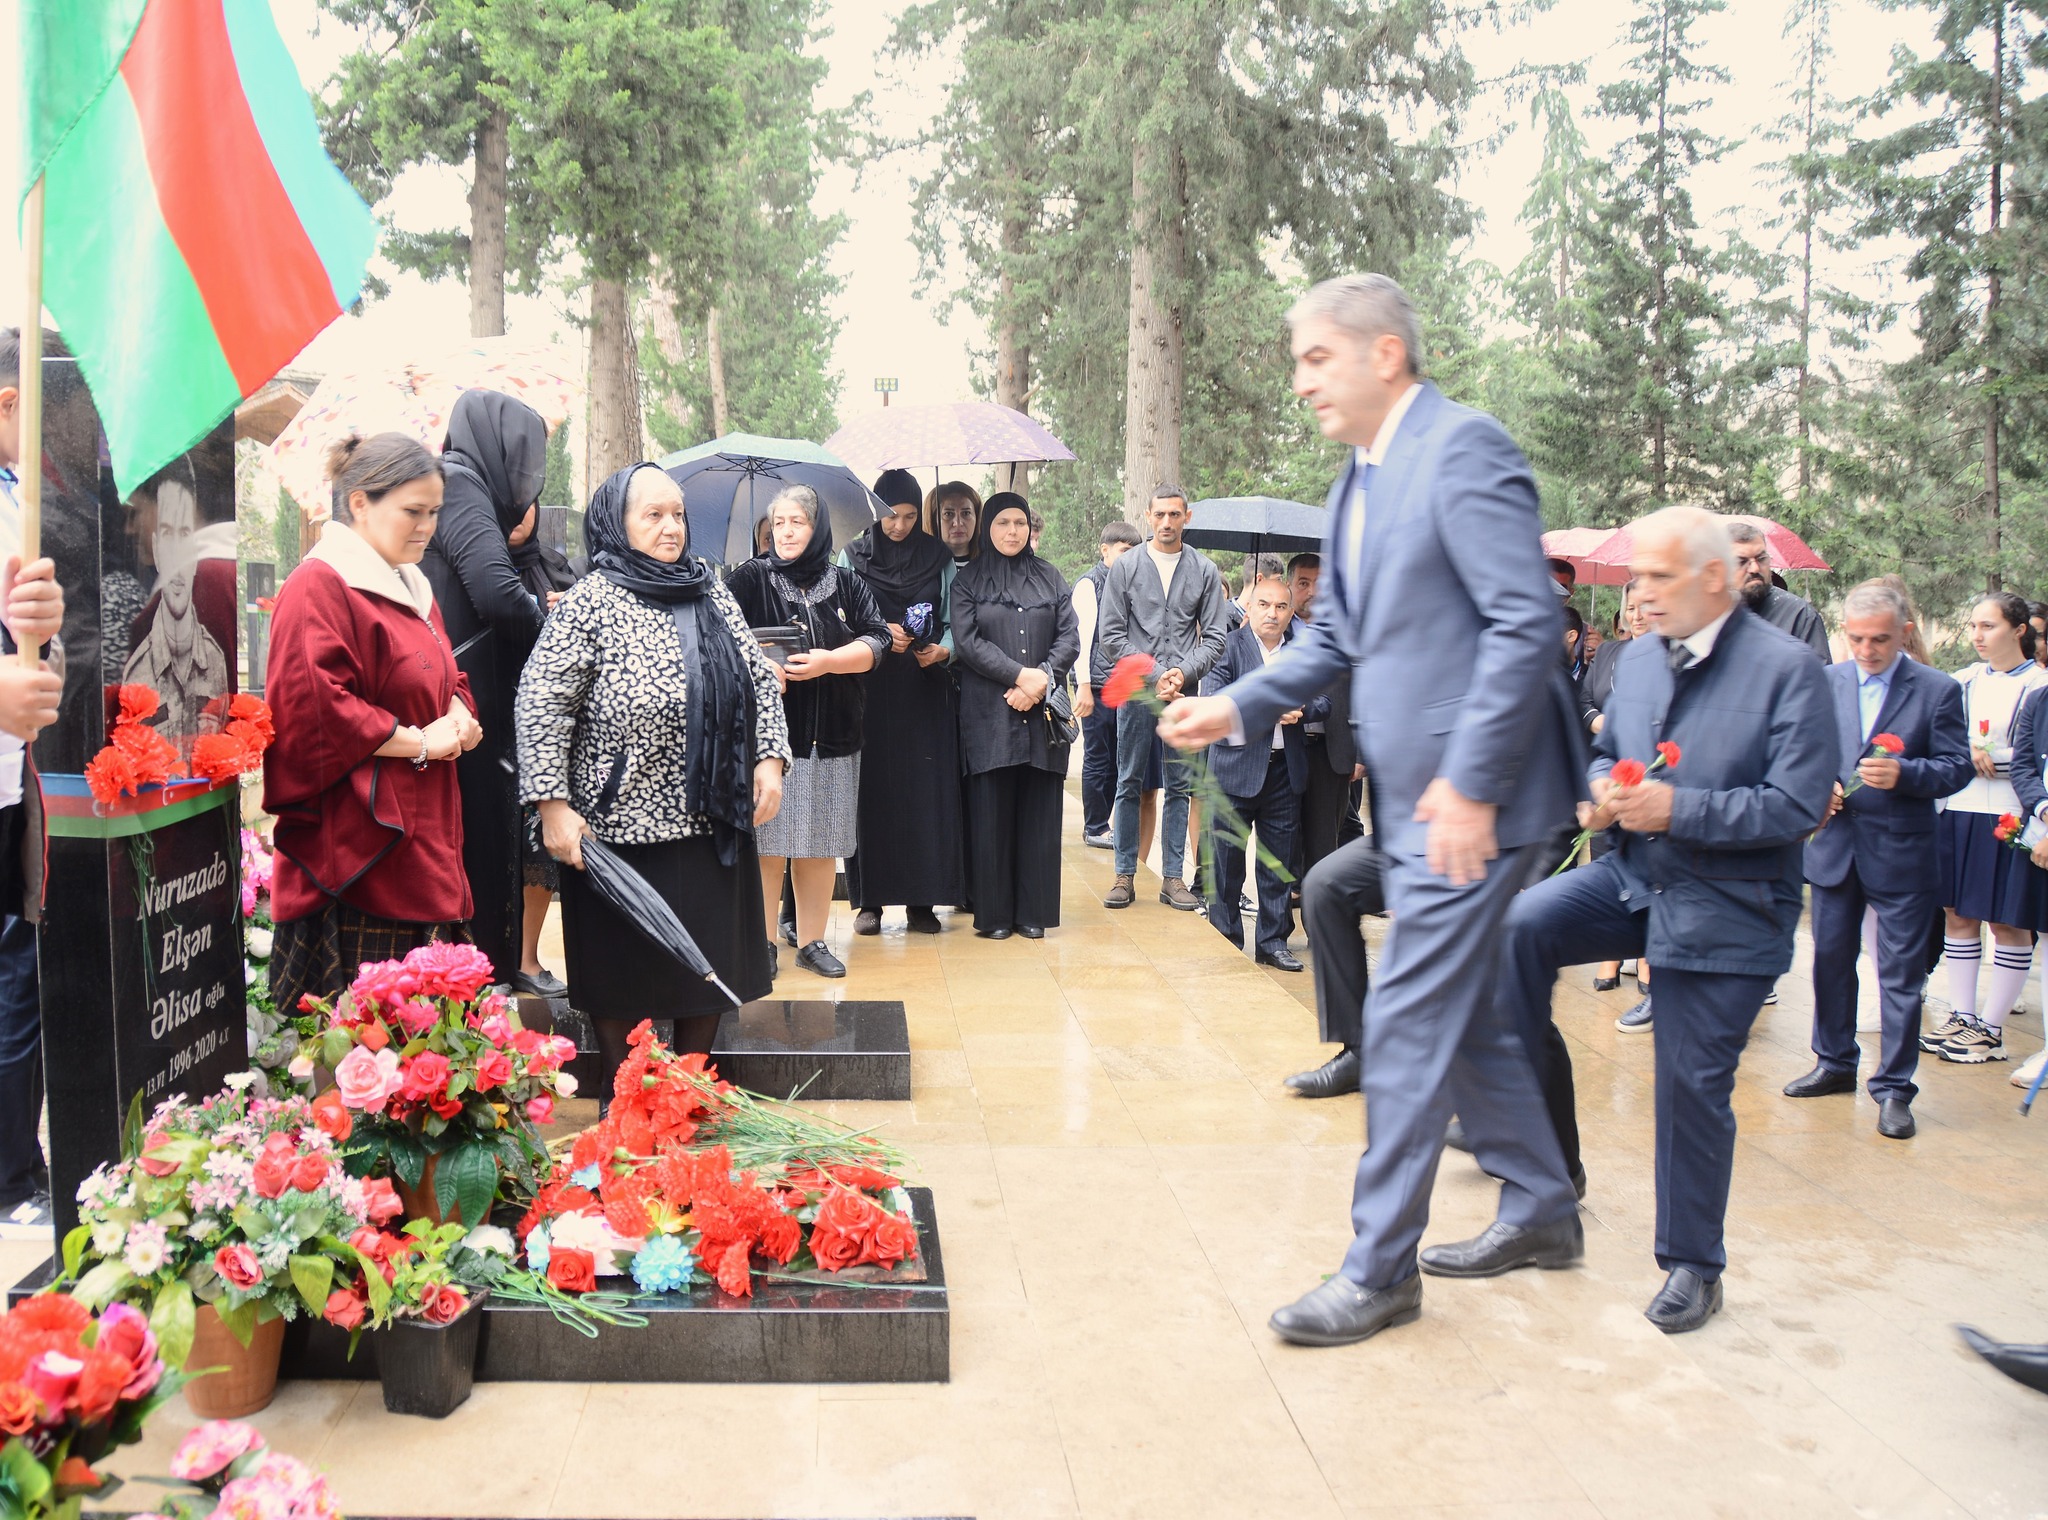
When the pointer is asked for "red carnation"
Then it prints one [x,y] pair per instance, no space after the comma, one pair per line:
[1668,753]
[110,773]
[1127,679]
[733,1271]
[1627,772]
[217,757]
[153,756]
[1891,744]
[138,704]
[2008,825]
[1983,725]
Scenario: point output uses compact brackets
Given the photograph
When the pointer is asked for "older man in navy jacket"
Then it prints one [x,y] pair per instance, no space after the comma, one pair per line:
[1264,777]
[1902,742]
[1706,880]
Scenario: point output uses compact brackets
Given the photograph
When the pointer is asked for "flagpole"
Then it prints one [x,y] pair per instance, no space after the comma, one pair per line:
[31,388]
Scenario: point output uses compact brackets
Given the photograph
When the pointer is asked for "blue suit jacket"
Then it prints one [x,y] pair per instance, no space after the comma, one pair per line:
[1449,636]
[1889,835]
[2029,752]
[1758,758]
[1241,768]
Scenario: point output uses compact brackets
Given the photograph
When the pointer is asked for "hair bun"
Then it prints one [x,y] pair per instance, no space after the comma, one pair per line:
[340,453]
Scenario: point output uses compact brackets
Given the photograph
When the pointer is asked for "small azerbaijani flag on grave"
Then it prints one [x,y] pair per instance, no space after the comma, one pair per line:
[196,234]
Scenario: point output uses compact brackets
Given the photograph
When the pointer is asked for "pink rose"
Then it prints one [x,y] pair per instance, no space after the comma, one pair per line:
[238,1266]
[451,971]
[156,1167]
[416,1015]
[442,1305]
[528,1041]
[383,982]
[346,1308]
[493,1068]
[541,1109]
[308,1172]
[212,1449]
[53,1377]
[367,1080]
[273,1172]
[497,1029]
[125,1330]
[382,1200]
[425,1075]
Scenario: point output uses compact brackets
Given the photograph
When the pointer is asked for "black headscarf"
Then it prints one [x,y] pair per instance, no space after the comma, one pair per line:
[718,750]
[1016,580]
[504,443]
[808,567]
[900,574]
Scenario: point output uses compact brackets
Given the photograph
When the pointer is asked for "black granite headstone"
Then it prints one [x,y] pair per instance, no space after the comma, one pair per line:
[140,942]
[784,1048]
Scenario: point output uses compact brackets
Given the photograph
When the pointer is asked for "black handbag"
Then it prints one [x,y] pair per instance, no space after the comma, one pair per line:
[1059,711]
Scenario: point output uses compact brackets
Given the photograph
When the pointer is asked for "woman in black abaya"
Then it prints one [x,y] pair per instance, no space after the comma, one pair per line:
[495,460]
[910,776]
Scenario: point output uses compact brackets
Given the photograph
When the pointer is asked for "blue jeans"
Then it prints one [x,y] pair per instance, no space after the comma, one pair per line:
[1098,768]
[1135,726]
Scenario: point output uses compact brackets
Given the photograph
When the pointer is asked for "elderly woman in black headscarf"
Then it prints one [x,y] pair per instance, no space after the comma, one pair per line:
[650,718]
[842,633]
[909,816]
[1015,640]
[494,460]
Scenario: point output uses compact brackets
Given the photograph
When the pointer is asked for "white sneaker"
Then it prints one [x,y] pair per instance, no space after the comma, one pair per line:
[2030,1069]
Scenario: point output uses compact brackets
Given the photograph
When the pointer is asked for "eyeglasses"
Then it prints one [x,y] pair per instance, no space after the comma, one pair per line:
[1754,561]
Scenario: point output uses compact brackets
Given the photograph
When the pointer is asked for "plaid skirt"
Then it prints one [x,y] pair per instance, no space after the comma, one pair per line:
[319,956]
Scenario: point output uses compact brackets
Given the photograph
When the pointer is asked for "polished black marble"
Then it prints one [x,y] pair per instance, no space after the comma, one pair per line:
[783,1047]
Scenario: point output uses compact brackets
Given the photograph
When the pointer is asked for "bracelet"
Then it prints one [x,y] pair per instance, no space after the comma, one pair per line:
[420,760]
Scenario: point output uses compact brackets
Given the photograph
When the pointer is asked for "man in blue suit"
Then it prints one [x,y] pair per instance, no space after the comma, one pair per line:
[1468,739]
[1264,778]
[1877,849]
[1706,880]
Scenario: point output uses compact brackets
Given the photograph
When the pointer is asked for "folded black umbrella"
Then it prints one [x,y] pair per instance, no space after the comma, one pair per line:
[647,910]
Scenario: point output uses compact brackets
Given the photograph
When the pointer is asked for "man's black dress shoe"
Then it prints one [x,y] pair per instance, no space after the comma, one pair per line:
[1579,1181]
[1895,1119]
[2023,1364]
[1821,1083]
[1031,931]
[1334,1078]
[992,933]
[1282,959]
[1606,983]
[1340,1312]
[1503,1247]
[1454,1137]
[1685,1302]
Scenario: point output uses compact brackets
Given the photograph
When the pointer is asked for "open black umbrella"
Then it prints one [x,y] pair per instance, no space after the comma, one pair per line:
[728,483]
[1256,525]
[647,910]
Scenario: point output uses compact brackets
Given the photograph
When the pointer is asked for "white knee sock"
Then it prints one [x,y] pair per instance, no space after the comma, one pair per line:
[2009,967]
[1963,957]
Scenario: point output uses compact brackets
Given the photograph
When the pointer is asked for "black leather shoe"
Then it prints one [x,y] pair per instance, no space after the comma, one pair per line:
[992,933]
[1685,1302]
[1282,959]
[1334,1078]
[1579,1181]
[1503,1247]
[2023,1364]
[1895,1119]
[543,983]
[817,956]
[921,921]
[1340,1312]
[1030,931]
[787,929]
[1639,1019]
[1606,983]
[774,961]
[1821,1083]
[1454,1137]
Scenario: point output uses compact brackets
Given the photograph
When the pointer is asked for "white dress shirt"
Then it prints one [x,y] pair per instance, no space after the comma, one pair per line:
[1279,732]
[1373,454]
[1701,642]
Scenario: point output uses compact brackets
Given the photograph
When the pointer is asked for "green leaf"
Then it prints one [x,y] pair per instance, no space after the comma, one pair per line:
[240,1319]
[468,1179]
[74,1250]
[174,1319]
[379,1291]
[131,1129]
[313,1276]
[334,1047]
[408,1157]
[99,1286]
[29,1477]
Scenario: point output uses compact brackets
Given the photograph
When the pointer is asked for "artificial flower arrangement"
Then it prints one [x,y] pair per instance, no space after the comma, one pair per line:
[239,1202]
[431,1272]
[230,1472]
[440,1078]
[688,1179]
[138,754]
[73,1387]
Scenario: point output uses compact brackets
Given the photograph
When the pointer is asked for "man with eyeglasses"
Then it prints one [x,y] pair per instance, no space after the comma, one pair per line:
[1775,605]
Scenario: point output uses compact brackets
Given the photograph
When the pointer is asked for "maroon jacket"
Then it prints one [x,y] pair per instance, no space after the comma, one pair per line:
[357,651]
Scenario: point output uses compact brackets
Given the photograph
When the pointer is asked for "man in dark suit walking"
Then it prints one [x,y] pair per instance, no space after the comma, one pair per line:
[1264,777]
[1468,737]
[1706,879]
[1902,743]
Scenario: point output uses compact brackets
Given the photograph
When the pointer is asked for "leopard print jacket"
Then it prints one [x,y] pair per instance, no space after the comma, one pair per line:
[600,713]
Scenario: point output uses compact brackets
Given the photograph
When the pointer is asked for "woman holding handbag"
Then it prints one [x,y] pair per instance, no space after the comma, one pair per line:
[1014,641]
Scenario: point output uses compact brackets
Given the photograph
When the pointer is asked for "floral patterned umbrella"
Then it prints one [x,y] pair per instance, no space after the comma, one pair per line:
[954,432]
[416,398]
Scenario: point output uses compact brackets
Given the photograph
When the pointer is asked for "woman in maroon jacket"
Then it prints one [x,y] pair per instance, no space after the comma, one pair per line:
[370,713]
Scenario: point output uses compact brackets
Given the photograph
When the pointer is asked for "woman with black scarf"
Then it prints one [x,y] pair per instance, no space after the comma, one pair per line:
[1015,638]
[494,461]
[843,634]
[910,820]
[649,718]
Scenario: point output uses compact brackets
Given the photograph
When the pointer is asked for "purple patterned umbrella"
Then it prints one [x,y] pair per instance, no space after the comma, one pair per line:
[955,432]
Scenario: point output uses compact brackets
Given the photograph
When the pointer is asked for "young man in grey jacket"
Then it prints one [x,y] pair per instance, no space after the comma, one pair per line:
[1167,602]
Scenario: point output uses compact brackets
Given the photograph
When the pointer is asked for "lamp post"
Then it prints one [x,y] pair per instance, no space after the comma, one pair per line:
[886,388]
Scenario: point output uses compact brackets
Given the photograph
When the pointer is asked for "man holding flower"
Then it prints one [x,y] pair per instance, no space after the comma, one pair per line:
[1903,743]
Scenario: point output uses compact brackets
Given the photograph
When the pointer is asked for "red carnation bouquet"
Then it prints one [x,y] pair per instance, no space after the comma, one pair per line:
[73,1387]
[689,1179]
[1624,773]
[2012,831]
[138,754]
[1881,747]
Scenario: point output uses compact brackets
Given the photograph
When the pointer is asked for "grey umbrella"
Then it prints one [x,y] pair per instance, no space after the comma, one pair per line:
[647,910]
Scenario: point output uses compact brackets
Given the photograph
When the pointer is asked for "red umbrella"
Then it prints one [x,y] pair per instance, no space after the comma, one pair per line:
[1576,544]
[1788,550]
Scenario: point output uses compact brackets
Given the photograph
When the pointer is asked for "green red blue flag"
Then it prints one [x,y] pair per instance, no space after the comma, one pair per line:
[196,235]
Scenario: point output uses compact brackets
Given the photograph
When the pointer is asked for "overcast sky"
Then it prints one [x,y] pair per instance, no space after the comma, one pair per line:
[889,330]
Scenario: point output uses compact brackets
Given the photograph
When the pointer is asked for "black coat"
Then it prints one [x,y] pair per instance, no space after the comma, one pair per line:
[826,712]
[993,643]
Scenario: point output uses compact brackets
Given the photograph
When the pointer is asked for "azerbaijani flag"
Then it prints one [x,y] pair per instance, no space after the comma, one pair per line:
[196,235]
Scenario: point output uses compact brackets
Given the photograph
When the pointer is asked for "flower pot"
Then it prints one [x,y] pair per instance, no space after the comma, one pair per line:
[427,1369]
[250,1376]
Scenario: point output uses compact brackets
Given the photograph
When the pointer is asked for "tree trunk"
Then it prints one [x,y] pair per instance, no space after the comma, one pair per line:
[1155,368]
[1991,293]
[487,229]
[614,400]
[1013,353]
[714,354]
[668,337]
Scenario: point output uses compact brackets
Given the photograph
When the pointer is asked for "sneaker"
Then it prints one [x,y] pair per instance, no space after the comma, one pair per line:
[1931,1040]
[1121,895]
[1974,1045]
[817,956]
[1637,1020]
[2023,1075]
[868,921]
[1175,894]
[1770,997]
[1103,841]
[30,1219]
